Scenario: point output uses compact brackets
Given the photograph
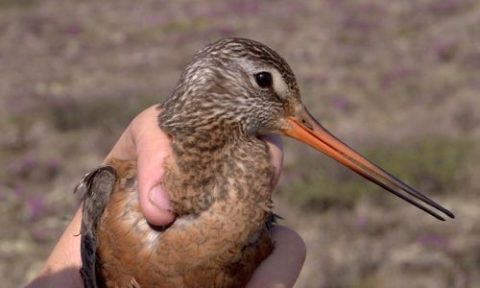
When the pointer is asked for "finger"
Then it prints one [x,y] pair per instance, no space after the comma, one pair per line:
[152,146]
[282,267]
[275,145]
[62,266]
[144,141]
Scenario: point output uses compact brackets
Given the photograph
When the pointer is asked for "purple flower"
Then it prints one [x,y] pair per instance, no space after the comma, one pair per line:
[28,161]
[18,191]
[432,240]
[444,48]
[73,30]
[472,60]
[23,165]
[341,103]
[243,7]
[226,31]
[361,222]
[35,206]
[18,104]
[39,234]
[445,7]
[398,73]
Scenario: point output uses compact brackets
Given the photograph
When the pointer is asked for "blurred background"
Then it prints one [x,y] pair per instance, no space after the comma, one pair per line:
[397,80]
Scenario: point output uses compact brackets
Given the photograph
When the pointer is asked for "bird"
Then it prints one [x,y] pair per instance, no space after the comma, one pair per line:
[219,178]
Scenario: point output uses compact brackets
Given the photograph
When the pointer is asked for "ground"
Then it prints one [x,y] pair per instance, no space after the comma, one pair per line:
[397,80]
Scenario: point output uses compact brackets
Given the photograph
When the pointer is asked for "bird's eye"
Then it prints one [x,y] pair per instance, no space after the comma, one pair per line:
[264,79]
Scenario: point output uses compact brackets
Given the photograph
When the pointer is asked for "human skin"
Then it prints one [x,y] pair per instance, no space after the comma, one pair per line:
[144,141]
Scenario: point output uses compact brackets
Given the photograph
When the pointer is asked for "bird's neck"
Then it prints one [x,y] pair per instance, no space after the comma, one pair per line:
[211,167]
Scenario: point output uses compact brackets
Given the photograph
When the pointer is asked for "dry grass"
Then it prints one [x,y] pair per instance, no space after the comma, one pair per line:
[399,80]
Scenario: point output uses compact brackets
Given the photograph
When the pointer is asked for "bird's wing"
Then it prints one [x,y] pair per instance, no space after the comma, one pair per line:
[272,220]
[97,186]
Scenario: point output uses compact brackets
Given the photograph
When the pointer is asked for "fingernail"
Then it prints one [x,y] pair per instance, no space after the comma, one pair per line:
[159,198]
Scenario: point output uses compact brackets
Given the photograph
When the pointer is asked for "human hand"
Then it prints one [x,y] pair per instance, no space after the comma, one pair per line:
[144,141]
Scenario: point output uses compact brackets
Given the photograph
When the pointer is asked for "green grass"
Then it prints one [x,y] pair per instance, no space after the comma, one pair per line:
[103,113]
[16,3]
[434,166]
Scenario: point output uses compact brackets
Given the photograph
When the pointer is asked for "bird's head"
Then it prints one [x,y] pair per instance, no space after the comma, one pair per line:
[243,87]
[237,83]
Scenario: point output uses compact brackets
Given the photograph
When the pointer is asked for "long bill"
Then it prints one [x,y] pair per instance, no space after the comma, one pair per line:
[305,128]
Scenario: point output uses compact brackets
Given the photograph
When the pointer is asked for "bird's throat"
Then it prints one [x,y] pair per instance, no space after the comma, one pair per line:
[205,170]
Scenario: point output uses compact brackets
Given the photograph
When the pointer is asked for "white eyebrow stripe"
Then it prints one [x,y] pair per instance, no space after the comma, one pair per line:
[279,84]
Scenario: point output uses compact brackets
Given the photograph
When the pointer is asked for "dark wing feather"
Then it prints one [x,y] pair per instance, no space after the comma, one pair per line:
[272,220]
[97,186]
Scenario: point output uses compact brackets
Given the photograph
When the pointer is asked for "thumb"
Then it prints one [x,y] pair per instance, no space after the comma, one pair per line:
[144,141]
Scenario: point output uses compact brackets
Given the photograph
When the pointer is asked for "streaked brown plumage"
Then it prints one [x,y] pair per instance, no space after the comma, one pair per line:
[219,177]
